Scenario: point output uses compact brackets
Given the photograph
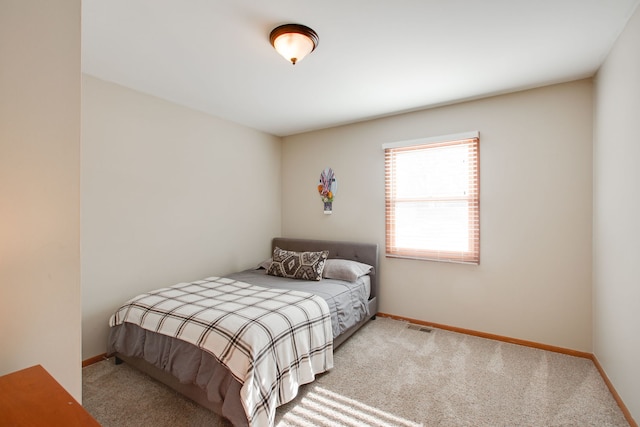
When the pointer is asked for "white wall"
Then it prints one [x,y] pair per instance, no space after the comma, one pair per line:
[616,225]
[168,195]
[534,277]
[39,188]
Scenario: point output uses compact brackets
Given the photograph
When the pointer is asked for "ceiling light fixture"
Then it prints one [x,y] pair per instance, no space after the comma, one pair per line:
[294,41]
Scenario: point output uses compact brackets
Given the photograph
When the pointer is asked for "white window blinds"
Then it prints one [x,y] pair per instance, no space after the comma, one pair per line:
[432,199]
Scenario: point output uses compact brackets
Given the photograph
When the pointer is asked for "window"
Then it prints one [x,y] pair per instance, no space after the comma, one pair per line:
[432,199]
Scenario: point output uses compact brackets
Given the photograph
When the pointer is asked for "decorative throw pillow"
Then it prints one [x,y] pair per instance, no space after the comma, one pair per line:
[344,269]
[297,265]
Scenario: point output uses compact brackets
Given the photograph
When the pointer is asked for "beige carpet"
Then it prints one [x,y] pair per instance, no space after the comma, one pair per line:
[390,375]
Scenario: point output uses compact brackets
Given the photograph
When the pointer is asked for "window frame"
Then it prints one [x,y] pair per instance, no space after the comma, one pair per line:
[470,256]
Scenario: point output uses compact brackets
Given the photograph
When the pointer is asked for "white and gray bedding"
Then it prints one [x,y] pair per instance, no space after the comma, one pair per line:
[347,301]
[201,376]
[271,340]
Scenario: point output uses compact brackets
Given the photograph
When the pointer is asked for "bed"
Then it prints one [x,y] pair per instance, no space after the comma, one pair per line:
[212,379]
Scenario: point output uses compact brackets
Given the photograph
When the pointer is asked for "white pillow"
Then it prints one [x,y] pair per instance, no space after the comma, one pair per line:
[264,264]
[344,269]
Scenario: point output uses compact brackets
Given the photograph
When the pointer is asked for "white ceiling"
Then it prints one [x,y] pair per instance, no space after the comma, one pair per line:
[375,58]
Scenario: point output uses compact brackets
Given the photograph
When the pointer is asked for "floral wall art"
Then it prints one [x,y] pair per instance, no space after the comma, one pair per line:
[327,189]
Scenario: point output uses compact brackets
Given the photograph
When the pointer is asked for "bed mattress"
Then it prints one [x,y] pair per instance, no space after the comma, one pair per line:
[348,301]
[185,358]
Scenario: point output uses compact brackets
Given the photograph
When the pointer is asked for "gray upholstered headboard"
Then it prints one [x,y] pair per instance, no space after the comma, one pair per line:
[362,252]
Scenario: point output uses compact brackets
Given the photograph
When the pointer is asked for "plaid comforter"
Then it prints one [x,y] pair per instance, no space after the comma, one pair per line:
[271,340]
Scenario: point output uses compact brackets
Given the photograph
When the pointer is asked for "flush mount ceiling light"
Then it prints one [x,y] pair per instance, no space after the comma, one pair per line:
[294,41]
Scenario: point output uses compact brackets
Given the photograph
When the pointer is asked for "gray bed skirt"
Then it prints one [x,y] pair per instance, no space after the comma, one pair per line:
[182,366]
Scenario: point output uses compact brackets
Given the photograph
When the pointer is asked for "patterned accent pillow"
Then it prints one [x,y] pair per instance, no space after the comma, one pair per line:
[297,265]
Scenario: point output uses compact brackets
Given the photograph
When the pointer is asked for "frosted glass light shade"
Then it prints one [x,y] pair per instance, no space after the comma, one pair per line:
[294,41]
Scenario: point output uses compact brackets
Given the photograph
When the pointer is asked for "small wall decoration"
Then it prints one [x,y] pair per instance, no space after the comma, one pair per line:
[327,189]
